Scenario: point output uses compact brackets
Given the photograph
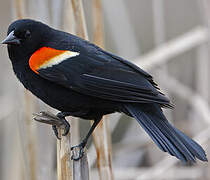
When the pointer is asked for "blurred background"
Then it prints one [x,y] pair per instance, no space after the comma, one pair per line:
[169,39]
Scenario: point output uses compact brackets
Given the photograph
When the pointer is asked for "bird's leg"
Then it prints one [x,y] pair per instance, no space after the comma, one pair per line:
[56,121]
[85,140]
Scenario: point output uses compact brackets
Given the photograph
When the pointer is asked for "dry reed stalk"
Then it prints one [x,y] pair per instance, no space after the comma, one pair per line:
[80,167]
[74,21]
[98,29]
[165,52]
[104,163]
[70,26]
[102,141]
[19,9]
[160,38]
[81,30]
[101,135]
[27,123]
[64,165]
[80,23]
[30,131]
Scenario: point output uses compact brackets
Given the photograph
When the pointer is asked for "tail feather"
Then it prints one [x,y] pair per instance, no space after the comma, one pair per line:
[168,144]
[201,153]
[167,137]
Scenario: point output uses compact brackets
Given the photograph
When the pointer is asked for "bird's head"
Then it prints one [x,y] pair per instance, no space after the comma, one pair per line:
[25,36]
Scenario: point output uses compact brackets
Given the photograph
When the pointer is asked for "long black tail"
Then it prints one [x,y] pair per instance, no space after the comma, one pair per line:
[167,137]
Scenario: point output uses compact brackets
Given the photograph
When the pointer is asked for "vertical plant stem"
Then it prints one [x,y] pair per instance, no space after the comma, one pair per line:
[101,135]
[102,140]
[98,28]
[80,167]
[64,164]
[81,29]
[30,131]
[70,26]
[74,22]
[19,7]
[26,122]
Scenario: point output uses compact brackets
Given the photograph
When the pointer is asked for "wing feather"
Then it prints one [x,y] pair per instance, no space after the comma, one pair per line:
[119,91]
[114,79]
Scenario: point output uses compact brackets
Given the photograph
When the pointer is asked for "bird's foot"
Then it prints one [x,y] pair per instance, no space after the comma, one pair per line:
[77,155]
[65,125]
[57,121]
[55,130]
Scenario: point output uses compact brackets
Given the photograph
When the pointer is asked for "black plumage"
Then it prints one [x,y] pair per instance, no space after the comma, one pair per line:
[93,83]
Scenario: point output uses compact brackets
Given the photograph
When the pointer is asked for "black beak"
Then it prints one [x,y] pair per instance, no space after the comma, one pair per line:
[11,39]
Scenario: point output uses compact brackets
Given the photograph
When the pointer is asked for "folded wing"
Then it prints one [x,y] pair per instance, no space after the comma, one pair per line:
[105,76]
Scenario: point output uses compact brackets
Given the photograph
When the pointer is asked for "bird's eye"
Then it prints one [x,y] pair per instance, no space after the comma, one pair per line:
[27,34]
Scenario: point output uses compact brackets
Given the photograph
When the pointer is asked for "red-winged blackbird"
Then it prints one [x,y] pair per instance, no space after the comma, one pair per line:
[80,79]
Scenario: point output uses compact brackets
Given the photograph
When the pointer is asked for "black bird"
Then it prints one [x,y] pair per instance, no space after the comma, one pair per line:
[82,80]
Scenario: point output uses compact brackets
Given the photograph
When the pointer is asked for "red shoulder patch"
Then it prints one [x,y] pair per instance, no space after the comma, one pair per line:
[43,56]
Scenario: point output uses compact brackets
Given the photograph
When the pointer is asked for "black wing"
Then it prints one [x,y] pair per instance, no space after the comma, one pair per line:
[106,76]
